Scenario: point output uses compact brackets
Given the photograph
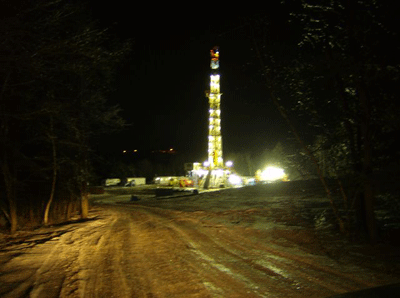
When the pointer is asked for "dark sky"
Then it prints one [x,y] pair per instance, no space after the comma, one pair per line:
[162,88]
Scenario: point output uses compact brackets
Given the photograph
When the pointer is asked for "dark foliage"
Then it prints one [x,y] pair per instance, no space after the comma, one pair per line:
[56,68]
[339,75]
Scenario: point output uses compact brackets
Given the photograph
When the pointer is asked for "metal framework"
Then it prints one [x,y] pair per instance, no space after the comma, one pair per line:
[214,129]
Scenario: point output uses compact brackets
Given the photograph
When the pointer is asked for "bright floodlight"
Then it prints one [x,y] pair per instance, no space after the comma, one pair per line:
[206,164]
[235,179]
[229,163]
[272,174]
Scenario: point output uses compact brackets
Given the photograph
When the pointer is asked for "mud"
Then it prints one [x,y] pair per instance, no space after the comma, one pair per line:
[250,242]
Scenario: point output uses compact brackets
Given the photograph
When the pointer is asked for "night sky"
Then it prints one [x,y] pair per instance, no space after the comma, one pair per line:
[161,89]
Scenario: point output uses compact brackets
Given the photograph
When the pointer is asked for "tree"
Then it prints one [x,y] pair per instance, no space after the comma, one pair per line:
[342,80]
[353,38]
[271,67]
[56,69]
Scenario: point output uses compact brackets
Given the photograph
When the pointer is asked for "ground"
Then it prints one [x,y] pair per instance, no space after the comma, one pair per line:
[247,242]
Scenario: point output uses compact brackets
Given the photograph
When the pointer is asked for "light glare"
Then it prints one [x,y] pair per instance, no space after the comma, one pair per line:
[235,179]
[272,174]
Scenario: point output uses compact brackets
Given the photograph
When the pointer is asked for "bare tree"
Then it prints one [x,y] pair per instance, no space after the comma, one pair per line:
[56,70]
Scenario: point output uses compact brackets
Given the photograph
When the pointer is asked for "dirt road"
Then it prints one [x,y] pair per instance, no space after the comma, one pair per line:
[197,246]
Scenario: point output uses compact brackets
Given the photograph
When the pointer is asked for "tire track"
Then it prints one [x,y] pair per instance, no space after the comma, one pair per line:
[157,257]
[225,271]
[138,251]
[284,272]
[99,272]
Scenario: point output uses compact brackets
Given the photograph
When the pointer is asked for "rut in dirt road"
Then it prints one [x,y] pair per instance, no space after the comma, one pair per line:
[139,251]
[238,265]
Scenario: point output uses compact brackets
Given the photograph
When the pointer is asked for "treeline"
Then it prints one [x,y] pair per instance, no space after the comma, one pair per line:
[56,67]
[333,65]
[143,164]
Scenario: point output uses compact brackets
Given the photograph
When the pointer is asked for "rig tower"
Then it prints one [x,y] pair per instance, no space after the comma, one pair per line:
[215,159]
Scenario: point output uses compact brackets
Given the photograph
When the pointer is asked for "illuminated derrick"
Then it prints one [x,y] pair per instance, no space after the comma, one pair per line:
[214,129]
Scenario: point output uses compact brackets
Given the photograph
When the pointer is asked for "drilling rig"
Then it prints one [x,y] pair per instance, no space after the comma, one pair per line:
[214,173]
[215,159]
[216,176]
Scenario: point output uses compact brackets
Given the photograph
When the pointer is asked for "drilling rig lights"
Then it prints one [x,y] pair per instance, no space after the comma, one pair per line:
[213,173]
[214,129]
[271,174]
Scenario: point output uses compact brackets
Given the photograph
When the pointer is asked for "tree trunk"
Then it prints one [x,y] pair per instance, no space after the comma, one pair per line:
[84,201]
[340,221]
[13,215]
[53,184]
[285,116]
[32,219]
[9,177]
[70,207]
[11,196]
[369,196]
